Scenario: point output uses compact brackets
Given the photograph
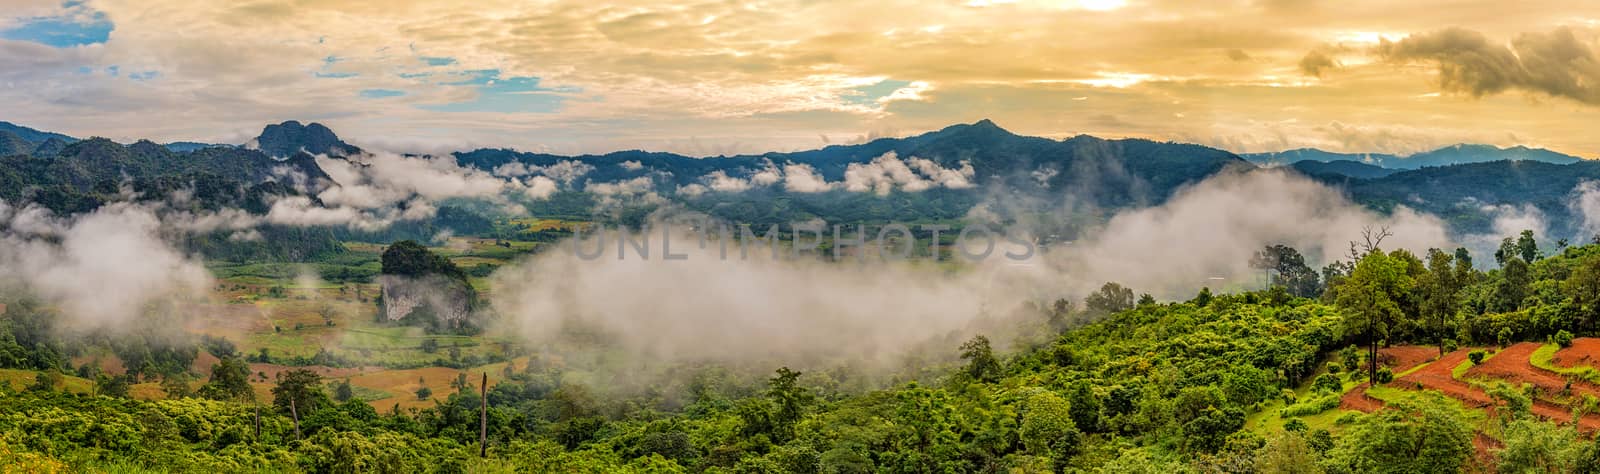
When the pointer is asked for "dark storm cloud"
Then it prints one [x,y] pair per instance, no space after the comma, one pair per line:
[1558,63]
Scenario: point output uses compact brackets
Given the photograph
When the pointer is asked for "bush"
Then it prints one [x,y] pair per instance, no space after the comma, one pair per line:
[1476,357]
[1450,345]
[1335,367]
[1311,406]
[1327,383]
[1563,338]
[1385,375]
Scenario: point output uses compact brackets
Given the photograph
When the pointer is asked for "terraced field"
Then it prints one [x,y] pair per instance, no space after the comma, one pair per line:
[1523,366]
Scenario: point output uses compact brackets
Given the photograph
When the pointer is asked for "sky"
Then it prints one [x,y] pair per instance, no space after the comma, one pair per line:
[716,77]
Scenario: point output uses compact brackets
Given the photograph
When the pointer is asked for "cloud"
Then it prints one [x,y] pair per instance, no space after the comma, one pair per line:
[801,178]
[720,181]
[805,310]
[887,172]
[649,77]
[1316,63]
[1556,64]
[540,187]
[101,269]
[1584,201]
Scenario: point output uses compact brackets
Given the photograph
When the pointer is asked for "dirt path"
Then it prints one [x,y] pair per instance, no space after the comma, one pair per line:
[1357,399]
[1512,365]
[1437,376]
[1585,352]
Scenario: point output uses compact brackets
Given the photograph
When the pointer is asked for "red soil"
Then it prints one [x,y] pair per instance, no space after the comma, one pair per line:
[1511,365]
[1585,352]
[272,370]
[1437,376]
[1357,399]
[1504,365]
[1403,358]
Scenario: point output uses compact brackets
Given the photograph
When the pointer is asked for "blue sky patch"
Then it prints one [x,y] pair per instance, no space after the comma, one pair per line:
[77,27]
[437,61]
[381,93]
[509,95]
[869,95]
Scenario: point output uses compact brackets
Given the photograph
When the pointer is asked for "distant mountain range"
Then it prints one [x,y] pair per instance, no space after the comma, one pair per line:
[1080,176]
[1450,155]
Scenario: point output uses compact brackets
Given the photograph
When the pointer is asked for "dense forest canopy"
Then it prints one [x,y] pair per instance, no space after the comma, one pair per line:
[1235,382]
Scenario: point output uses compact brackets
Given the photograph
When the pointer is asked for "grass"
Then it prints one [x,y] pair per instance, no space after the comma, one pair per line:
[1268,418]
[20,379]
[1544,358]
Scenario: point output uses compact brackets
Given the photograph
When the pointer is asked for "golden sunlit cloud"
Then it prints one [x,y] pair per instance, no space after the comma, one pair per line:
[710,77]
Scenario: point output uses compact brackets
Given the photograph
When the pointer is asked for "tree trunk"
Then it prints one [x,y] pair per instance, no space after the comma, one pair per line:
[258,422]
[295,414]
[1372,356]
[483,417]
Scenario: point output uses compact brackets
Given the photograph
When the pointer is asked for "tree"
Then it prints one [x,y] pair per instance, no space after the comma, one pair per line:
[1370,298]
[1512,288]
[1535,446]
[1084,407]
[1584,287]
[1111,298]
[790,399]
[343,392]
[981,362]
[1287,268]
[111,386]
[430,345]
[303,387]
[1507,251]
[46,381]
[1047,427]
[1410,436]
[1465,274]
[1527,247]
[176,386]
[230,380]
[1440,286]
[424,393]
[1287,452]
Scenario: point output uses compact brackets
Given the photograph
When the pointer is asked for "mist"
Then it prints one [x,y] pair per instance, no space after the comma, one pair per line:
[101,269]
[706,308]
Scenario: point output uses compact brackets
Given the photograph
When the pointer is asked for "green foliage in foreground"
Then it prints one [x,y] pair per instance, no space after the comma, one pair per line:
[1148,387]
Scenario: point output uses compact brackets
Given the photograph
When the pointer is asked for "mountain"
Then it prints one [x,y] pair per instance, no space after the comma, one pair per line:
[1111,172]
[1289,157]
[1341,169]
[185,147]
[1450,155]
[1464,153]
[1460,193]
[288,138]
[32,135]
[12,144]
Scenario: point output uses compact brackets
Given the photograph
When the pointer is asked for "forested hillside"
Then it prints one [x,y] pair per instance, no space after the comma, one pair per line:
[1312,375]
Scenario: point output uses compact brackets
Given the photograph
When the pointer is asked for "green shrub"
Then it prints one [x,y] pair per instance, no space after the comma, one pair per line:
[1327,383]
[1385,375]
[1476,357]
[1311,406]
[1335,367]
[1562,338]
[1450,345]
